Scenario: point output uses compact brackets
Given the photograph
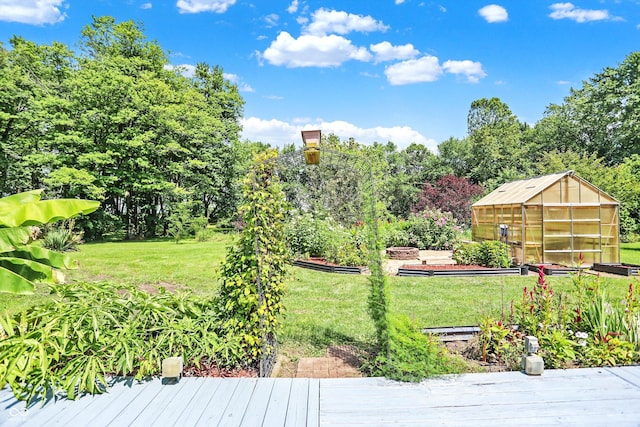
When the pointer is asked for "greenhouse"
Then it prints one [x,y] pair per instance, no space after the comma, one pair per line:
[551,219]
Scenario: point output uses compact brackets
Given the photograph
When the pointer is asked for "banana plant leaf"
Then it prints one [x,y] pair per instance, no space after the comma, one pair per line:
[45,211]
[42,256]
[14,283]
[20,199]
[12,237]
[28,269]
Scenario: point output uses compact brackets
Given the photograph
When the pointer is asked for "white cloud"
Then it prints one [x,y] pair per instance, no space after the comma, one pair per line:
[563,82]
[399,1]
[472,70]
[34,12]
[271,20]
[425,69]
[186,70]
[293,7]
[326,21]
[494,13]
[385,51]
[279,133]
[197,6]
[146,6]
[313,51]
[235,79]
[569,11]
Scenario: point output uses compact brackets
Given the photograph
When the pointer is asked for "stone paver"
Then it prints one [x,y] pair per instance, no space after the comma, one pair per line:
[340,362]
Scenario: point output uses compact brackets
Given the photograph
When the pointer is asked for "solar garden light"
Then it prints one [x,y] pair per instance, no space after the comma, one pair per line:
[532,363]
[311,139]
[172,369]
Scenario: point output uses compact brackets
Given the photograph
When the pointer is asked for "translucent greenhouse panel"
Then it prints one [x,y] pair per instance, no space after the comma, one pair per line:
[517,214]
[533,215]
[581,244]
[536,199]
[609,214]
[532,255]
[588,258]
[586,213]
[552,194]
[556,213]
[570,190]
[589,194]
[562,258]
[552,243]
[534,236]
[610,253]
[556,228]
[515,234]
[589,228]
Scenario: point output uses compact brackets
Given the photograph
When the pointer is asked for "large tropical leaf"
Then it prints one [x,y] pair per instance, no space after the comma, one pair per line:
[14,283]
[20,199]
[45,211]
[43,256]
[12,237]
[21,263]
[28,269]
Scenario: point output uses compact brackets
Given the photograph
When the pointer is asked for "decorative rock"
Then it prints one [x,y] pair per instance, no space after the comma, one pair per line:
[403,253]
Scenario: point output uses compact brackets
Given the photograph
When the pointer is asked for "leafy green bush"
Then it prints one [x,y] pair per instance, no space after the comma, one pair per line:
[89,331]
[488,253]
[307,235]
[413,355]
[347,247]
[428,229]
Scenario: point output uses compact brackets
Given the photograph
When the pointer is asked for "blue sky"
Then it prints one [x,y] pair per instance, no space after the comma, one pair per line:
[375,70]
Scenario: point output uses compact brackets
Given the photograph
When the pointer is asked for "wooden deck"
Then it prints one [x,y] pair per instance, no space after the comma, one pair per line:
[580,397]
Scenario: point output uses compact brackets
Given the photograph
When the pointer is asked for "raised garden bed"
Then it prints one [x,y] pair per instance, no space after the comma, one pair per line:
[320,264]
[554,269]
[458,270]
[621,269]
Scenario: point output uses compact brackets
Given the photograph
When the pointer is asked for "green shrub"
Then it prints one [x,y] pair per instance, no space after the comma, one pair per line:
[347,247]
[307,235]
[413,355]
[488,253]
[89,331]
[429,229]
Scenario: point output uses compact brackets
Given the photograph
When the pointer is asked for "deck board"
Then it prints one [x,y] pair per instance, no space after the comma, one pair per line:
[594,397]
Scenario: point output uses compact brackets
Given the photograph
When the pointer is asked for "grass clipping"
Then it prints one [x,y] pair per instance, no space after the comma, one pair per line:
[414,356]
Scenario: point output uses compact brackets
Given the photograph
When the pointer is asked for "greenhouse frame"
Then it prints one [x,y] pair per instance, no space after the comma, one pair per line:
[553,219]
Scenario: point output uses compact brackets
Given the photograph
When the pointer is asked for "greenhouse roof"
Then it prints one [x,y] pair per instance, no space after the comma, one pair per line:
[518,192]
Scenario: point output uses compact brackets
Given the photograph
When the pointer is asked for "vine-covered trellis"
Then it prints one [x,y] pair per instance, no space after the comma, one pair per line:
[253,275]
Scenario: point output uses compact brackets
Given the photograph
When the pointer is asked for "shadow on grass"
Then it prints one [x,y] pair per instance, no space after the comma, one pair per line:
[322,338]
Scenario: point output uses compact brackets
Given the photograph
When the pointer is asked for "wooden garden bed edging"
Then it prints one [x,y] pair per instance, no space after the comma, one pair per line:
[621,269]
[328,268]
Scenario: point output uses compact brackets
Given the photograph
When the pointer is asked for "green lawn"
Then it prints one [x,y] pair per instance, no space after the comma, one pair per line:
[321,309]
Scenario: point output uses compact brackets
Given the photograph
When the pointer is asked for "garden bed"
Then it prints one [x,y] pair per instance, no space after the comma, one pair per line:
[621,269]
[554,269]
[457,270]
[320,264]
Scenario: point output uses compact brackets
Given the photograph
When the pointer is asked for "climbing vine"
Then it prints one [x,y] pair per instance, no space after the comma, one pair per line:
[254,272]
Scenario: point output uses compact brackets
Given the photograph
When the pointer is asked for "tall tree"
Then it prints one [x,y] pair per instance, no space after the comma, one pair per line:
[495,138]
[603,115]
